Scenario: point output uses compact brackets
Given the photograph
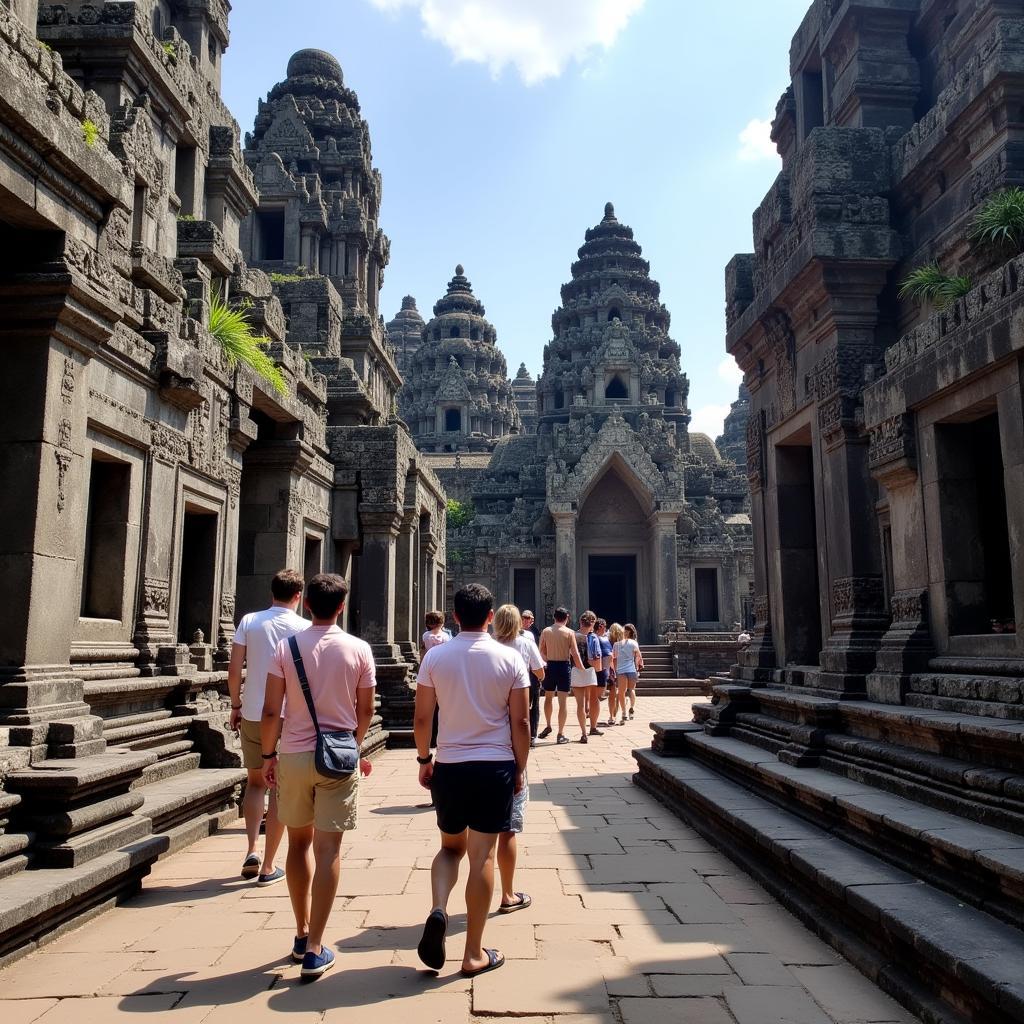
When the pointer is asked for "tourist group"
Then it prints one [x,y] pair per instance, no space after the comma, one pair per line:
[306,702]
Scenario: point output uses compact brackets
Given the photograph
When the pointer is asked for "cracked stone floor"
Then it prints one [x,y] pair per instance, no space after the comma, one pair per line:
[635,919]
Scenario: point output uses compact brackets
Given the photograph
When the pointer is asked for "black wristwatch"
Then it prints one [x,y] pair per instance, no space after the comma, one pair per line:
[269,757]
[424,760]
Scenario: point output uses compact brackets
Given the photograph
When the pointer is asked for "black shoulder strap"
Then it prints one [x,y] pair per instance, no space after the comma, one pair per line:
[300,671]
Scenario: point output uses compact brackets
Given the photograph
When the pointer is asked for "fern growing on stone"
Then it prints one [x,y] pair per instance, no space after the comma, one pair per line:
[240,344]
[931,284]
[1000,221]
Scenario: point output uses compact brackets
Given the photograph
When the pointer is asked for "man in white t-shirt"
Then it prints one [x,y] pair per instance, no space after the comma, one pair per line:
[256,640]
[483,743]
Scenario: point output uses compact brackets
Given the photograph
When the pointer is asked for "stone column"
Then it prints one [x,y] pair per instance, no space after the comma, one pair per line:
[666,564]
[405,586]
[565,558]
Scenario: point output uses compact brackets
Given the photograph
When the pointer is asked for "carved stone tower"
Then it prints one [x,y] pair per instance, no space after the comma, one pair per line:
[525,390]
[457,395]
[405,332]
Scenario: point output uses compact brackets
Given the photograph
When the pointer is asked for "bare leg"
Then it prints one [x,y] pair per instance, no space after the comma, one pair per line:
[252,807]
[595,706]
[444,872]
[613,701]
[327,857]
[479,893]
[548,701]
[299,875]
[632,697]
[582,695]
[507,854]
[563,711]
[273,837]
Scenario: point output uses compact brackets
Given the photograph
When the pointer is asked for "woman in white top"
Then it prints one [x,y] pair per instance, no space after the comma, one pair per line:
[508,627]
[629,662]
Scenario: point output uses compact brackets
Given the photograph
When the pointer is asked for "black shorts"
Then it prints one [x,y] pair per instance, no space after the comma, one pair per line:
[556,677]
[602,676]
[474,794]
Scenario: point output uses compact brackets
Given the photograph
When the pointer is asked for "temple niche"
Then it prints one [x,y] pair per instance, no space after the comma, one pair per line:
[405,333]
[870,734]
[457,396]
[611,503]
[315,231]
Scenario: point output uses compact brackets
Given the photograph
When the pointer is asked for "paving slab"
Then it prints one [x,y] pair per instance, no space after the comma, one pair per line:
[635,919]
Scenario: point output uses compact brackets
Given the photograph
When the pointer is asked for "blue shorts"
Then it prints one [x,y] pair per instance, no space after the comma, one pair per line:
[556,677]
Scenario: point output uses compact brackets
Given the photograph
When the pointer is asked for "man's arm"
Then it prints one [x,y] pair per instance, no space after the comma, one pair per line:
[594,652]
[422,727]
[235,683]
[543,644]
[574,654]
[519,717]
[270,726]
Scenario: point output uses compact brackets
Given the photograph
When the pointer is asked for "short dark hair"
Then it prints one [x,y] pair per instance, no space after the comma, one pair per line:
[432,619]
[588,618]
[473,603]
[325,594]
[286,584]
[600,624]
[561,614]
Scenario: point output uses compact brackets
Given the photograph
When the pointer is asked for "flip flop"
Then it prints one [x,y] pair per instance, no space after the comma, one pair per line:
[251,866]
[495,959]
[431,949]
[521,904]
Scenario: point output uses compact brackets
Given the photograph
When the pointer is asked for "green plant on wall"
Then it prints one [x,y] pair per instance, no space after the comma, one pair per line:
[90,132]
[170,49]
[931,284]
[1000,221]
[460,513]
[240,344]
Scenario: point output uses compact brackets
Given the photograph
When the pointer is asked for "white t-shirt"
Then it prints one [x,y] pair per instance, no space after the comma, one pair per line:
[527,647]
[260,633]
[473,676]
[430,639]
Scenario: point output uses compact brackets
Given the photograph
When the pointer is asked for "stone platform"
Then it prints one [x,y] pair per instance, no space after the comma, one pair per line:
[636,919]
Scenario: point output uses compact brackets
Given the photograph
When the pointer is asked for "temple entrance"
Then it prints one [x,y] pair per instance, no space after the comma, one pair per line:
[612,587]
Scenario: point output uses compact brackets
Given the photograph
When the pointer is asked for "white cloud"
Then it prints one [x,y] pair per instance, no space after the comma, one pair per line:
[540,38]
[756,142]
[730,372]
[708,419]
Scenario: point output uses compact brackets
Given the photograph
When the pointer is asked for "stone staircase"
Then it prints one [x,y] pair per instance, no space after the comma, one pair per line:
[896,833]
[658,677]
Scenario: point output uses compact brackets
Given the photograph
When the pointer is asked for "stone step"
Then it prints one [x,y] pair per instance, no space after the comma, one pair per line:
[39,906]
[979,864]
[195,796]
[944,960]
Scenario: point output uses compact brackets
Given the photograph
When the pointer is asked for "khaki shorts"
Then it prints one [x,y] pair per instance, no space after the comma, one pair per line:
[305,797]
[252,749]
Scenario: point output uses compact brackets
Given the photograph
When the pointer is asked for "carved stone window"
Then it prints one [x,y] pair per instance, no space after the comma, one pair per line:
[614,314]
[616,388]
[452,420]
[453,332]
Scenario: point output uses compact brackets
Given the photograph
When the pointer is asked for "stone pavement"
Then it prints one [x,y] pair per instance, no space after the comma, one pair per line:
[635,919]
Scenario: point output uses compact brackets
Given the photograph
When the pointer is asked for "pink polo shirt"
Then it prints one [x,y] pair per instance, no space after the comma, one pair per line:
[337,666]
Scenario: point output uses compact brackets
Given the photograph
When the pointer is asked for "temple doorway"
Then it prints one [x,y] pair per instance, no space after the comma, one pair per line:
[612,587]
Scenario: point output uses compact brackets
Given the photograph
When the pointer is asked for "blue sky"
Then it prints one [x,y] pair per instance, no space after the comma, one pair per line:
[501,128]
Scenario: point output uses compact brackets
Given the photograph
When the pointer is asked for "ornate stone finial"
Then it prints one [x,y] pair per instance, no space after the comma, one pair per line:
[459,270]
[609,211]
[408,302]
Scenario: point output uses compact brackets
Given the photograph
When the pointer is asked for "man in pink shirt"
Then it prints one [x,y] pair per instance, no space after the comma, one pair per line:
[483,742]
[317,810]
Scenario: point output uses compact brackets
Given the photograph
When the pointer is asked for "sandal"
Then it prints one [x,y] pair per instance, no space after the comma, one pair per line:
[251,866]
[431,949]
[495,959]
[521,904]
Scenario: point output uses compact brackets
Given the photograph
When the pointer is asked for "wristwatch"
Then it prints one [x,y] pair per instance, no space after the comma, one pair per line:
[424,760]
[269,757]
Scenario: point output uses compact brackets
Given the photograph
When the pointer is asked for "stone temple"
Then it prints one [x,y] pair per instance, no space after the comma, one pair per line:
[457,396]
[865,760]
[405,332]
[611,503]
[159,485]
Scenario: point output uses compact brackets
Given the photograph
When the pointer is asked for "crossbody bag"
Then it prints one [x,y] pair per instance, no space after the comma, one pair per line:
[336,754]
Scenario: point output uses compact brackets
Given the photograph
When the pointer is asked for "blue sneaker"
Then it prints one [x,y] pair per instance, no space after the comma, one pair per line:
[275,876]
[314,965]
[299,948]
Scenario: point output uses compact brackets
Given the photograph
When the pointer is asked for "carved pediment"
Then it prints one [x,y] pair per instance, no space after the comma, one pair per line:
[288,134]
[453,387]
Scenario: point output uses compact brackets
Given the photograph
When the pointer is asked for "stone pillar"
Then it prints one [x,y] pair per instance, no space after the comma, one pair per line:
[405,586]
[565,559]
[666,563]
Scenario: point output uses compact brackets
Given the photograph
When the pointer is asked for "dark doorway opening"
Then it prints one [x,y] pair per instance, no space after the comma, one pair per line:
[616,388]
[106,539]
[975,531]
[524,588]
[452,420]
[312,563]
[705,583]
[271,234]
[612,587]
[198,574]
[798,561]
